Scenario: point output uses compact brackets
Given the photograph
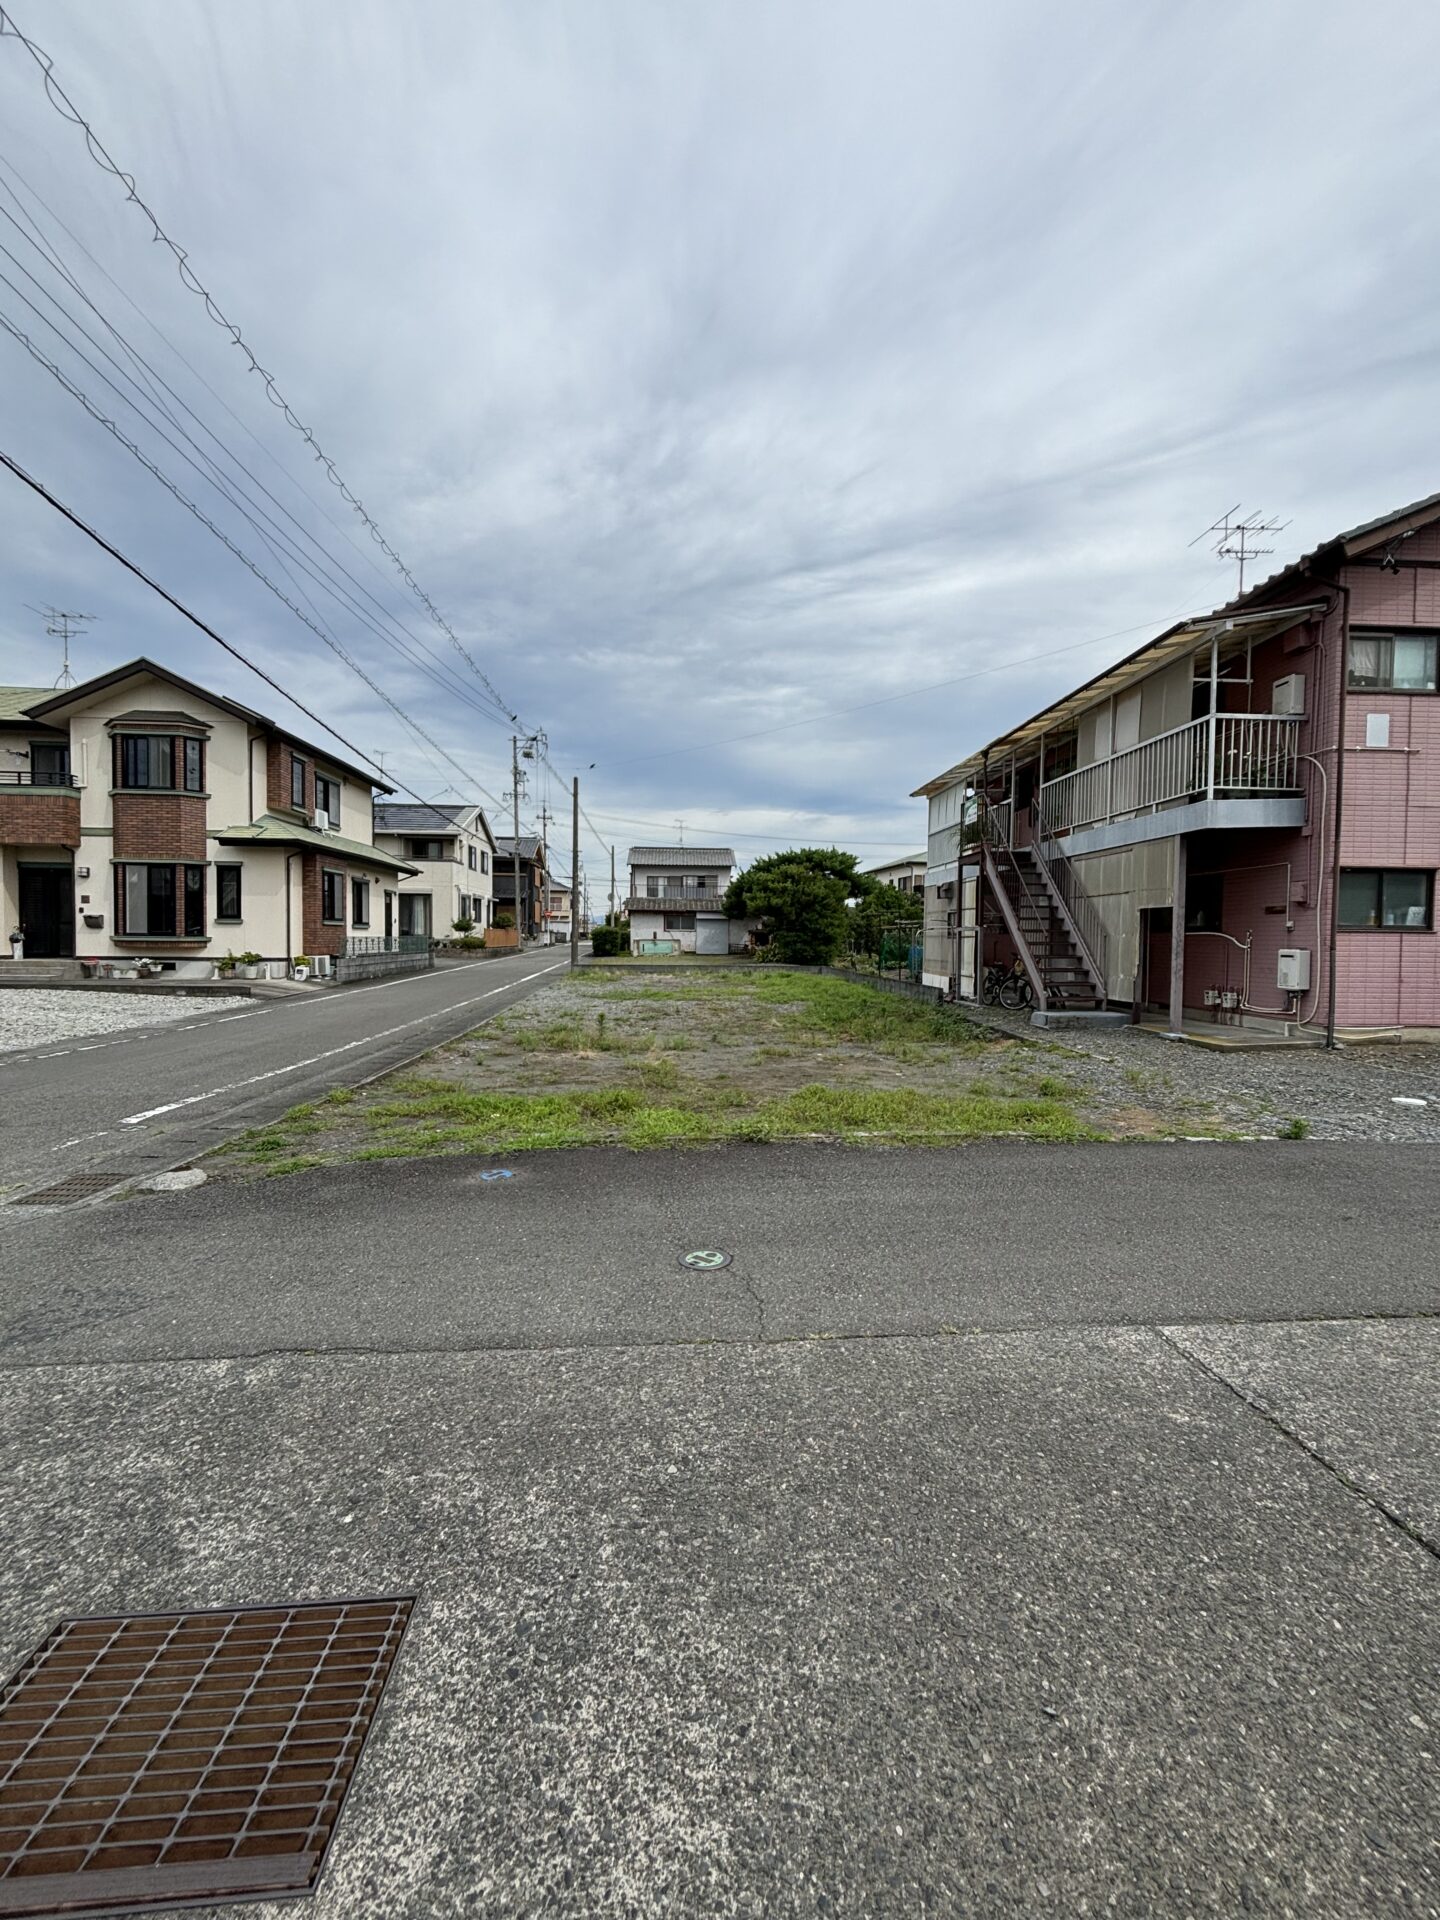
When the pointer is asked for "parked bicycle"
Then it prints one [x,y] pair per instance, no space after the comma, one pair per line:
[1009,986]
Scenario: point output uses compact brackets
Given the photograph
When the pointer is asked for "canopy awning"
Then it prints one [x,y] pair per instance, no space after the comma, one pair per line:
[1188,637]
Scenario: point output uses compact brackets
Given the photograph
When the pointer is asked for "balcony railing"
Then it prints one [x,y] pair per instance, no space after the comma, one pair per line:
[23,777]
[1243,753]
[357,944]
[675,902]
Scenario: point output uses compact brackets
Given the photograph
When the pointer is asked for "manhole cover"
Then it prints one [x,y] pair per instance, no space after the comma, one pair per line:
[705,1259]
[167,1759]
[75,1186]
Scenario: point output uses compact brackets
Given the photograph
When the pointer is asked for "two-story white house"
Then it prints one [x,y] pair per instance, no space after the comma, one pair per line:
[145,818]
[453,854]
[677,896]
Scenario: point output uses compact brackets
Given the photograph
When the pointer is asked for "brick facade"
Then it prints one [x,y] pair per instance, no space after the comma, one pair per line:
[31,819]
[322,936]
[159,826]
[278,755]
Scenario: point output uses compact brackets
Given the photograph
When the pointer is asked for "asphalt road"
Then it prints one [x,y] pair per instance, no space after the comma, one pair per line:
[149,1097]
[1011,1530]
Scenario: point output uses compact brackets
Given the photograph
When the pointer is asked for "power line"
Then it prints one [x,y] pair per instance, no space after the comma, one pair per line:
[67,110]
[393,782]
[222,483]
[240,554]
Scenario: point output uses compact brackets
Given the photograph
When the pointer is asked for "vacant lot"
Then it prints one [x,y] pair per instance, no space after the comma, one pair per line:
[665,1060]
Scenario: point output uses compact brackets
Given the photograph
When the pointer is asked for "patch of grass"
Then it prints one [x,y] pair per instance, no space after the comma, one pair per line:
[907,1114]
[1294,1129]
[339,1097]
[1049,1088]
[296,1163]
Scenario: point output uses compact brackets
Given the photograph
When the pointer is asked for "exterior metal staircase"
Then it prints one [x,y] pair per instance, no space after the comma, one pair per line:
[1055,925]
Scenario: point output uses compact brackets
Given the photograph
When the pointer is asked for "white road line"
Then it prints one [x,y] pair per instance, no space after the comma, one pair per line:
[277,1073]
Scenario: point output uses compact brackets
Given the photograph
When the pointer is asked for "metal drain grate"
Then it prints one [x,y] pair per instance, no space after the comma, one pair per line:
[171,1759]
[75,1186]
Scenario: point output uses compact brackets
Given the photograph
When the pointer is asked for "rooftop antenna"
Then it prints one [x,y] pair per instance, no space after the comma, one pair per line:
[680,829]
[61,625]
[1238,538]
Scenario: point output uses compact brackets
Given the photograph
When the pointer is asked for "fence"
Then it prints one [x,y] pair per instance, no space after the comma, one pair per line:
[368,957]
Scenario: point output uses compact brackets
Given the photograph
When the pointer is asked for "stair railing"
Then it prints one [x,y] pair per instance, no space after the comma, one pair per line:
[1005,876]
[1077,908]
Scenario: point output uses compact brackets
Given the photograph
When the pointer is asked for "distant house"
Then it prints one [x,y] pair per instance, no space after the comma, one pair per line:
[530,917]
[453,853]
[677,895]
[906,875]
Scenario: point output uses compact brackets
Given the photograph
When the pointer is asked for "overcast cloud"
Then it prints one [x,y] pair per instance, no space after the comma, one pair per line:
[715,366]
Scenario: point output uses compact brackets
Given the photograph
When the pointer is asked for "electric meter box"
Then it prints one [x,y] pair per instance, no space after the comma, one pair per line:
[1288,695]
[1292,970]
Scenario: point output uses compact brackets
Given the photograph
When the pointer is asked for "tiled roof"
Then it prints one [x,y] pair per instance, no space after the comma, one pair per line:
[529,846]
[397,818]
[269,830]
[696,857]
[16,702]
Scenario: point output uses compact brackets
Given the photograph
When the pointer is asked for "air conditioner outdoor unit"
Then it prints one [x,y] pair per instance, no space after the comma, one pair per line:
[322,820]
[1288,695]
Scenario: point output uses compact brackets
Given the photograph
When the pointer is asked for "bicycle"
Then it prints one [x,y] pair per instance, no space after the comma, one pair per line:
[991,983]
[1015,990]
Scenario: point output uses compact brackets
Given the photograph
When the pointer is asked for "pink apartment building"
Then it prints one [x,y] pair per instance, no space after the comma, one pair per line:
[1237,824]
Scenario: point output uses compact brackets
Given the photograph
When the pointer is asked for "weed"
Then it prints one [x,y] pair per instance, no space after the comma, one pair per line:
[1293,1129]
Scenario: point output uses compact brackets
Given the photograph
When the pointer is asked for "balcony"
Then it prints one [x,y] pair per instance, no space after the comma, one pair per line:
[42,782]
[1230,756]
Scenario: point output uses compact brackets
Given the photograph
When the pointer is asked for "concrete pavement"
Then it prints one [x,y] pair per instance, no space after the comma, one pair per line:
[147,1098]
[1001,1534]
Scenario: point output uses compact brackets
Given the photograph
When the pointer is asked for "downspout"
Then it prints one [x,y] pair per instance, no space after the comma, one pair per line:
[1344,593]
[289,943]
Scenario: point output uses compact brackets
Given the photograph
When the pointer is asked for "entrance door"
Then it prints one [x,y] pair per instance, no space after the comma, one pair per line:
[47,912]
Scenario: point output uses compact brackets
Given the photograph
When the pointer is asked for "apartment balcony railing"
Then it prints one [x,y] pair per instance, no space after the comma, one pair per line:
[23,777]
[1219,756]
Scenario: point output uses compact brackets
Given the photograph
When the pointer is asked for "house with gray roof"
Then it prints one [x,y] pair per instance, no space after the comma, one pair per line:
[454,855]
[677,897]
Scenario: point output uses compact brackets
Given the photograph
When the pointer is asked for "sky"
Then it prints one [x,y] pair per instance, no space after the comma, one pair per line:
[776,400]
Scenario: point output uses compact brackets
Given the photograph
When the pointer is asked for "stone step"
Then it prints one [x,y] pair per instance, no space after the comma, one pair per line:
[38,970]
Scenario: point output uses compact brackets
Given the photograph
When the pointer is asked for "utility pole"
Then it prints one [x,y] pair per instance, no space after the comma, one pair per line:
[612,886]
[575,875]
[545,878]
[515,843]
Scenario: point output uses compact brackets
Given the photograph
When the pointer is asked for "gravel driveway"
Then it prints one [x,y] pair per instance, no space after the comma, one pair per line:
[37,1017]
[1345,1095]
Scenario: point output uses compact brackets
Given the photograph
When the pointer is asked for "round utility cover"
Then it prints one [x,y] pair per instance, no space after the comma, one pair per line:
[704,1260]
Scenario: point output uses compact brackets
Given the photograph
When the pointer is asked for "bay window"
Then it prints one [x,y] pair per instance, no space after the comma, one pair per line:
[168,762]
[159,900]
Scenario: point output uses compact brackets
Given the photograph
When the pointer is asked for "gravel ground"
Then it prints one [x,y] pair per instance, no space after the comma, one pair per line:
[1345,1095]
[34,1017]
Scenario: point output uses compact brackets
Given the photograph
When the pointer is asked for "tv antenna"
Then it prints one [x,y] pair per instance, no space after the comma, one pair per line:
[1238,538]
[680,829]
[63,625]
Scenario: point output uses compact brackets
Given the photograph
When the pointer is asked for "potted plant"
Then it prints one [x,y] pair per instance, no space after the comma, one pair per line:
[248,965]
[300,967]
[225,966]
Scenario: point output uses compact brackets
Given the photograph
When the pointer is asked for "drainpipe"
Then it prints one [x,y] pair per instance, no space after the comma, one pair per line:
[1344,593]
[1214,702]
[289,943]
